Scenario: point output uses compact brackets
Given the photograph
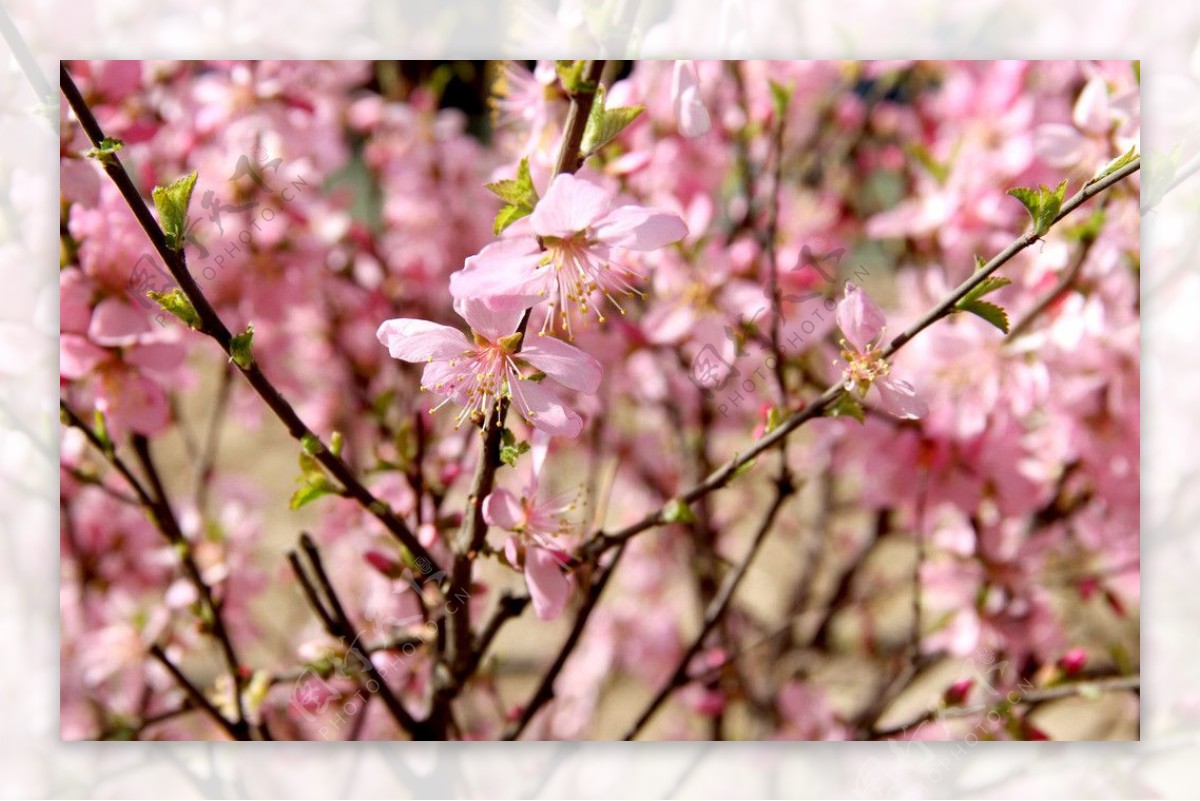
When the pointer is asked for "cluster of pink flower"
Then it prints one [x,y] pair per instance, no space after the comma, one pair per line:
[343,206]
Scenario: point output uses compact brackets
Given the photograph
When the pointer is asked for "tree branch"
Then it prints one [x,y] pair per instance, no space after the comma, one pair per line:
[211,325]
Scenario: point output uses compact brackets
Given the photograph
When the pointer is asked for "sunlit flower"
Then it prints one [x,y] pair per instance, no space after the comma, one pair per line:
[865,368]
[495,364]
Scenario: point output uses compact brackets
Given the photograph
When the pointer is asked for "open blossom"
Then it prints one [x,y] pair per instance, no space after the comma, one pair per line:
[690,113]
[572,253]
[538,525]
[477,373]
[865,368]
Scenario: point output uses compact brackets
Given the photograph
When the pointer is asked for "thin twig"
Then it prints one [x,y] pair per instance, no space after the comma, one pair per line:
[545,689]
[238,730]
[715,612]
[324,599]
[601,541]
[212,325]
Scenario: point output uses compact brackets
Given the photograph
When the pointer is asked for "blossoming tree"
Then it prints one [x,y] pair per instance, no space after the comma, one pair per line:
[602,429]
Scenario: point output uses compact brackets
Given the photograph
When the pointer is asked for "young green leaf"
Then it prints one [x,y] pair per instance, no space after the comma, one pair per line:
[518,194]
[239,348]
[571,75]
[606,124]
[677,511]
[311,444]
[994,314]
[177,304]
[985,287]
[509,454]
[1043,204]
[846,405]
[781,95]
[310,492]
[1120,161]
[108,147]
[172,204]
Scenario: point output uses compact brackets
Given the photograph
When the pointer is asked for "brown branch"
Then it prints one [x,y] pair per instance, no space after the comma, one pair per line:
[212,325]
[324,599]
[602,541]
[716,610]
[472,535]
[545,690]
[238,730]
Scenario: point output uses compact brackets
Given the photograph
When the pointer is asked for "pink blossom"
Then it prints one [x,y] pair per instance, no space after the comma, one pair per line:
[865,369]
[476,374]
[573,252]
[539,525]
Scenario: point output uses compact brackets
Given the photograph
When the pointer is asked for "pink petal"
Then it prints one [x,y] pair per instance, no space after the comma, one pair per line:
[133,403]
[420,340]
[544,410]
[1091,109]
[1058,145]
[690,113]
[75,296]
[571,205]
[506,267]
[549,587]
[638,228]
[566,364]
[494,317]
[899,399]
[859,318]
[540,446]
[161,357]
[115,323]
[77,357]
[502,509]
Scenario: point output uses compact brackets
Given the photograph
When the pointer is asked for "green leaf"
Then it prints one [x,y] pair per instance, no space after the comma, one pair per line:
[108,148]
[336,443]
[571,75]
[172,204]
[1116,164]
[994,314]
[743,468]
[507,216]
[517,191]
[177,304]
[100,428]
[677,511]
[509,454]
[781,95]
[310,492]
[846,405]
[519,195]
[606,124]
[239,348]
[774,418]
[985,287]
[311,444]
[1043,204]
